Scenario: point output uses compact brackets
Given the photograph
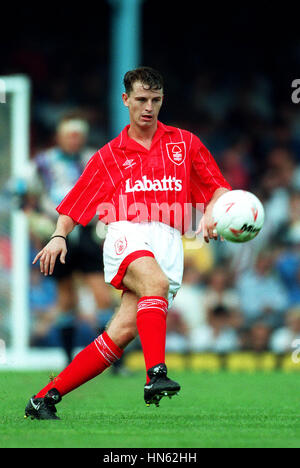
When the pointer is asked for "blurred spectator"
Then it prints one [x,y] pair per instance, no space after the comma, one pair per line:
[279,179]
[5,286]
[289,232]
[52,174]
[43,292]
[276,201]
[189,301]
[217,335]
[235,166]
[288,267]
[282,339]
[208,97]
[256,338]
[220,292]
[42,300]
[177,333]
[5,254]
[282,162]
[57,104]
[282,136]
[198,254]
[262,293]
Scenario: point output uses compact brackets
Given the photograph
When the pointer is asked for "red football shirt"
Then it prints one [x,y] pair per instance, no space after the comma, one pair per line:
[125,181]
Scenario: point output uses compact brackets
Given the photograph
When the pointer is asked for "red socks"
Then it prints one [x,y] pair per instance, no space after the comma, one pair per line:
[101,353]
[151,325]
[89,363]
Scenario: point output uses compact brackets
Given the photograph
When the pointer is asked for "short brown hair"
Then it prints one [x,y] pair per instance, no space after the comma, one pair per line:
[148,76]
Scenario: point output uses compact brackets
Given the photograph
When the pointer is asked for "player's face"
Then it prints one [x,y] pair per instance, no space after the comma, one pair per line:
[143,104]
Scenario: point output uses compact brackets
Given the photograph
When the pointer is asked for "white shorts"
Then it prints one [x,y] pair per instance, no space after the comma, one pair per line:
[126,241]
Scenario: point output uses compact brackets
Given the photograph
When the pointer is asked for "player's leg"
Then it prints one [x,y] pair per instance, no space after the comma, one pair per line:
[95,282]
[90,264]
[146,279]
[66,301]
[66,306]
[129,259]
[90,362]
[150,284]
[122,328]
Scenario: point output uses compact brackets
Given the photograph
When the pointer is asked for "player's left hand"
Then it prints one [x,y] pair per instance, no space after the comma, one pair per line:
[47,256]
[207,225]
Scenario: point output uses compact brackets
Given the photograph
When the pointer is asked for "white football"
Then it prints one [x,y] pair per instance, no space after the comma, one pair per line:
[238,215]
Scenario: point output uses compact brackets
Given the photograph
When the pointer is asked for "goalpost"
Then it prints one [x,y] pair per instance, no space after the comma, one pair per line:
[14,153]
[15,352]
[14,236]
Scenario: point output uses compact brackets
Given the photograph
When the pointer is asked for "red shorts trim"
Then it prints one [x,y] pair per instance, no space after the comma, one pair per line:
[117,280]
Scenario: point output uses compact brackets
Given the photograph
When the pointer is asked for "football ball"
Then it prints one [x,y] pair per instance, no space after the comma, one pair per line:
[238,215]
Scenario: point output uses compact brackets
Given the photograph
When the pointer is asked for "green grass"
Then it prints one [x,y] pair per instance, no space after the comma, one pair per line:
[212,410]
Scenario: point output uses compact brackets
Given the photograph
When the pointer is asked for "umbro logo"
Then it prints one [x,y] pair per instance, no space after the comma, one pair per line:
[129,163]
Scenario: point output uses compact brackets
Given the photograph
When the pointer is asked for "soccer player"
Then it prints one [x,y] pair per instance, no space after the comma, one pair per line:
[140,184]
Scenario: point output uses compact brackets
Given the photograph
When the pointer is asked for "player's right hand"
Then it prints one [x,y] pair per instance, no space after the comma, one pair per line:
[49,254]
[207,227]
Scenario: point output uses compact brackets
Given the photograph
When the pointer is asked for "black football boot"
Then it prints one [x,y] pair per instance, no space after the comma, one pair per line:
[159,386]
[43,408]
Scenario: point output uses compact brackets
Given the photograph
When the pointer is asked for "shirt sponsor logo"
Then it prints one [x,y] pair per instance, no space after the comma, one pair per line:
[176,152]
[147,185]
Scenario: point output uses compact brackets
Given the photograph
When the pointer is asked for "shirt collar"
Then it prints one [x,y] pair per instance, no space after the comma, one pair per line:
[123,141]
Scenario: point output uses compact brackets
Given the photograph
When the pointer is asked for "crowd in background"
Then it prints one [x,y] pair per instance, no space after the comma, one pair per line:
[233,297]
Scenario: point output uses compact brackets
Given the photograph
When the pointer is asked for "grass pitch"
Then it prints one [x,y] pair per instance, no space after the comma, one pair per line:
[212,410]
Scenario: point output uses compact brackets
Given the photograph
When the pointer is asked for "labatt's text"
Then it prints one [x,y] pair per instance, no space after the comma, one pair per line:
[146,185]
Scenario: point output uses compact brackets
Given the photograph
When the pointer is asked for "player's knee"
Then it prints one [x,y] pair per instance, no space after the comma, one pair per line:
[156,286]
[164,286]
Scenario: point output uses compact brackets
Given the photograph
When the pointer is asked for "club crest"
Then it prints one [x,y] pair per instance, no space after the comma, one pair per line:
[120,245]
[176,152]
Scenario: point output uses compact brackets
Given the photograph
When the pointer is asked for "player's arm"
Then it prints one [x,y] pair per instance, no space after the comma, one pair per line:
[207,223]
[56,246]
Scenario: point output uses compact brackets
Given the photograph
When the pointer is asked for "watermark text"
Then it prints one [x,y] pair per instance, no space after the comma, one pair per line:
[296,93]
[183,217]
[296,353]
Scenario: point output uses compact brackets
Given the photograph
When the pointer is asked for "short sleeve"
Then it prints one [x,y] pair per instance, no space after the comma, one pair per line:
[91,189]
